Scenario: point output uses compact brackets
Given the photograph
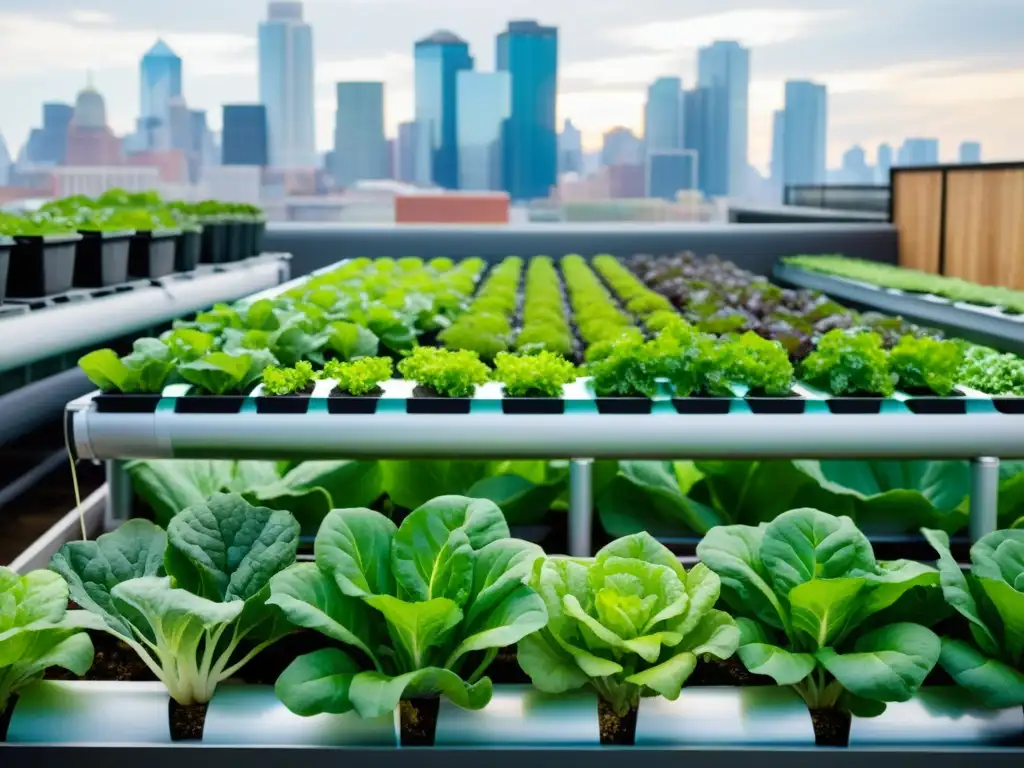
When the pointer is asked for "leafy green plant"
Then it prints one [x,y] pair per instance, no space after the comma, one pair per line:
[540,375]
[145,371]
[816,611]
[37,631]
[359,377]
[426,607]
[987,660]
[350,341]
[485,334]
[35,225]
[627,370]
[288,381]
[629,622]
[992,372]
[760,364]
[191,602]
[448,373]
[221,373]
[925,364]
[686,358]
[187,344]
[545,325]
[850,363]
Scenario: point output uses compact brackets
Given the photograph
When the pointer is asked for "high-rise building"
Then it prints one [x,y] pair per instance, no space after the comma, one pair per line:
[47,145]
[484,101]
[778,161]
[883,163]
[405,151]
[970,152]
[570,149]
[670,171]
[621,147]
[159,84]
[90,140]
[918,152]
[696,130]
[5,162]
[529,53]
[663,115]
[855,169]
[723,69]
[804,133]
[438,60]
[360,146]
[244,135]
[286,85]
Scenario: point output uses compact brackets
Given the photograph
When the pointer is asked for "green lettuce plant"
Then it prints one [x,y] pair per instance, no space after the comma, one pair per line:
[192,602]
[37,631]
[927,364]
[222,373]
[288,381]
[359,377]
[762,365]
[446,372]
[145,371]
[539,375]
[420,609]
[816,611]
[992,372]
[627,623]
[850,363]
[350,341]
[627,369]
[987,660]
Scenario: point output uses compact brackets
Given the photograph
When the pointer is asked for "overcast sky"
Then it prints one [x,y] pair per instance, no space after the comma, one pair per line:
[894,68]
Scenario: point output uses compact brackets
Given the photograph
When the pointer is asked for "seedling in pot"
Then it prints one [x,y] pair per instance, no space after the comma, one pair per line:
[223,375]
[924,365]
[37,631]
[442,375]
[280,382]
[132,383]
[358,383]
[988,658]
[191,602]
[421,609]
[627,623]
[816,611]
[625,376]
[533,383]
[850,365]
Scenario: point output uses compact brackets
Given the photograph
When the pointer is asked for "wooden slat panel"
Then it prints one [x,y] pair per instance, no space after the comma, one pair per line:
[917,216]
[985,226]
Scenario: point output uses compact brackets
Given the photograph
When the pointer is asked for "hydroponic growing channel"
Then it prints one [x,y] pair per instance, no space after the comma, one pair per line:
[793,640]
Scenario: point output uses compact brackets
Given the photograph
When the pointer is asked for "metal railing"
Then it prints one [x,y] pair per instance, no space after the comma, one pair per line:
[870,198]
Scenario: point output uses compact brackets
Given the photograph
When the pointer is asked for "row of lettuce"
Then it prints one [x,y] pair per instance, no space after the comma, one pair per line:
[350,324]
[421,610]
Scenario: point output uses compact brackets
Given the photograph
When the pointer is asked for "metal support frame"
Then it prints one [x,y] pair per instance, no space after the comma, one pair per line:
[581,507]
[119,495]
[984,510]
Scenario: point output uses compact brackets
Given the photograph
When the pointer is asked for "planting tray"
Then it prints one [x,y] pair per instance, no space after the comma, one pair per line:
[982,325]
[41,266]
[152,254]
[986,427]
[101,259]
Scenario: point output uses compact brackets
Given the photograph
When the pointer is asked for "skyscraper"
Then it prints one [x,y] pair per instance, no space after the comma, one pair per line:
[484,101]
[360,146]
[286,85]
[90,140]
[405,151]
[918,152]
[5,162]
[529,53]
[570,149]
[855,168]
[438,60]
[696,130]
[244,135]
[883,163]
[621,147]
[663,115]
[723,69]
[159,82]
[970,152]
[47,145]
[804,134]
[778,161]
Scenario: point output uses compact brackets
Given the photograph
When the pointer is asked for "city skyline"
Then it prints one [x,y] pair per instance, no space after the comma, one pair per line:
[596,91]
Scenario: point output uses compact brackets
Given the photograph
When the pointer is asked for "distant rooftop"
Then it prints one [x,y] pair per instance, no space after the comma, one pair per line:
[442,37]
[282,10]
[529,27]
[161,50]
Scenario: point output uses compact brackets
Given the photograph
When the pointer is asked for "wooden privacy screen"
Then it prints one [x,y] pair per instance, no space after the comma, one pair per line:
[963,221]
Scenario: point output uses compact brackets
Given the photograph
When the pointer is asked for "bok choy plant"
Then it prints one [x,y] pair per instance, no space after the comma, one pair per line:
[816,610]
[192,602]
[422,609]
[991,598]
[627,623]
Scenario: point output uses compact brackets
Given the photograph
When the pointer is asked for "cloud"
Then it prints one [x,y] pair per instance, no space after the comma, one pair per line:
[91,17]
[752,27]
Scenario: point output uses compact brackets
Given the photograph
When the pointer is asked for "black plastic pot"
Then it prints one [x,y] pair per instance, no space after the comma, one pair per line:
[235,240]
[790,404]
[259,231]
[120,403]
[209,404]
[623,405]
[937,405]
[41,265]
[426,400]
[701,405]
[1009,405]
[341,402]
[5,260]
[282,404]
[152,253]
[101,259]
[187,249]
[533,405]
[213,249]
[855,406]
